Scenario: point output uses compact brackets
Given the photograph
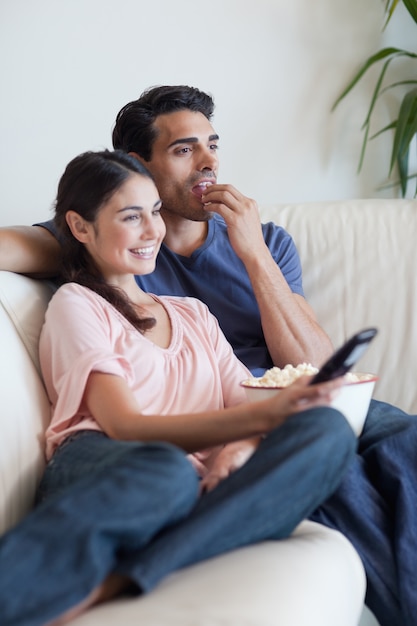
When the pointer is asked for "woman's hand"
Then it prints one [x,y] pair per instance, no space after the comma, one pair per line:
[297,397]
[228,460]
[300,396]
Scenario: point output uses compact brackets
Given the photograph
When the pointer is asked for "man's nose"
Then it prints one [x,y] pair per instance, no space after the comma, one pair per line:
[208,160]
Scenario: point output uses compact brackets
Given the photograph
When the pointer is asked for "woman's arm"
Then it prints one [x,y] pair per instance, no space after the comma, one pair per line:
[30,250]
[114,407]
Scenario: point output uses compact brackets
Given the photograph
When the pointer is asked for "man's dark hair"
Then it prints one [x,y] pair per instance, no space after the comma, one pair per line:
[134,130]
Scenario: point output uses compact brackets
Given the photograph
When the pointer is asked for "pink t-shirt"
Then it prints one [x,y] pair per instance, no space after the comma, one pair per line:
[84,333]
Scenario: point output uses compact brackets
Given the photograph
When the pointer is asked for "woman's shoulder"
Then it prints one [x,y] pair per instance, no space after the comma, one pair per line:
[69,291]
[72,295]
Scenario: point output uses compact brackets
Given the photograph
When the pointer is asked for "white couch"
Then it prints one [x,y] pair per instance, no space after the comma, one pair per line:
[359,259]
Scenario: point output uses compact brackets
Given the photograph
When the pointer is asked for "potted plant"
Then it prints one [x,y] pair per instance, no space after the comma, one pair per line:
[405,125]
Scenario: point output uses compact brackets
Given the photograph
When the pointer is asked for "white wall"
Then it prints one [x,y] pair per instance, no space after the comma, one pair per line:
[273,66]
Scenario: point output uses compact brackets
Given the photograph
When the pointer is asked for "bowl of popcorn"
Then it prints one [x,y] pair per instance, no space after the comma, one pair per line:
[352,400]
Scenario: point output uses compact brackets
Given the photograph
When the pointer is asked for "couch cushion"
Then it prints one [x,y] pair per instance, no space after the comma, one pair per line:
[25,407]
[314,578]
[359,262]
[25,301]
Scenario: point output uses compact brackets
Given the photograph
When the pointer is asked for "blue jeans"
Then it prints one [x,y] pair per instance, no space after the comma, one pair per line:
[110,506]
[375,507]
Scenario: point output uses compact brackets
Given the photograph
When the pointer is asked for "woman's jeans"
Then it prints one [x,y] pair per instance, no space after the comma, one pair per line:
[131,508]
[375,507]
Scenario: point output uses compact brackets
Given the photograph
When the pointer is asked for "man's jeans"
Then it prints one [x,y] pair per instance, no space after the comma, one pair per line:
[375,507]
[109,506]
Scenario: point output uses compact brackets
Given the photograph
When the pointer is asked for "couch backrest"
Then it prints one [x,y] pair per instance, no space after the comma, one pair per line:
[359,260]
[24,404]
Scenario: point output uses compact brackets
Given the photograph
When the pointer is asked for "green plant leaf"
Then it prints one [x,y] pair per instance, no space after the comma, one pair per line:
[376,91]
[389,10]
[395,183]
[397,84]
[382,54]
[411,6]
[391,5]
[402,164]
[382,130]
[405,126]
[366,124]
[405,130]
[363,148]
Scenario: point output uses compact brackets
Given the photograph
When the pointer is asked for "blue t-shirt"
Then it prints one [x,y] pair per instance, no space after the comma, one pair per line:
[214,274]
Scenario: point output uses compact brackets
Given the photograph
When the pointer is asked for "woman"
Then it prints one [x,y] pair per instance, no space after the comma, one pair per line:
[155,459]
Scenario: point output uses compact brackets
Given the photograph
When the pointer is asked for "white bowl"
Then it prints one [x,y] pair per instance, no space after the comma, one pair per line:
[352,400]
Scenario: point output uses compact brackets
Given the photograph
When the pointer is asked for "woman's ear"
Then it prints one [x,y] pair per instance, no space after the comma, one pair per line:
[78,226]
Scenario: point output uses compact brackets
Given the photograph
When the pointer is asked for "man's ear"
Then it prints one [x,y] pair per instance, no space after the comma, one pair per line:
[137,156]
[78,226]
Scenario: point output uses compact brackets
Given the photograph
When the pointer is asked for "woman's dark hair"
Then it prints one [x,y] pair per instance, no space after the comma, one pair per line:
[88,182]
[134,130]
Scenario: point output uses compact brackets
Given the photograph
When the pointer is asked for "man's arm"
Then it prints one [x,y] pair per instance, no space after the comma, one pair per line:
[291,331]
[30,250]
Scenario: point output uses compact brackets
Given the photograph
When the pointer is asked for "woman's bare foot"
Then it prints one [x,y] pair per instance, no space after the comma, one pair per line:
[109,588]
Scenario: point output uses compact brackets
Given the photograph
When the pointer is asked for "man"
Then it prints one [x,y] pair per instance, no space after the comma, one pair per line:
[222,263]
[249,275]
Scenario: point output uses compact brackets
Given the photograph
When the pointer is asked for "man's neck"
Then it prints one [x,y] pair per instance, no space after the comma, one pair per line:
[184,236]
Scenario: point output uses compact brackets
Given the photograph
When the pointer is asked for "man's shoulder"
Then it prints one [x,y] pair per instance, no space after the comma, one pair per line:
[50,226]
[275,232]
[219,249]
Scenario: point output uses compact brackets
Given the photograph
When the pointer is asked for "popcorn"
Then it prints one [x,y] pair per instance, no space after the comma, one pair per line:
[277,377]
[355,377]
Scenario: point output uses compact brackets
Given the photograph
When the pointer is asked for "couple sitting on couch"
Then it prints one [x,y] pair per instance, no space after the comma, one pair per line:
[249,276]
